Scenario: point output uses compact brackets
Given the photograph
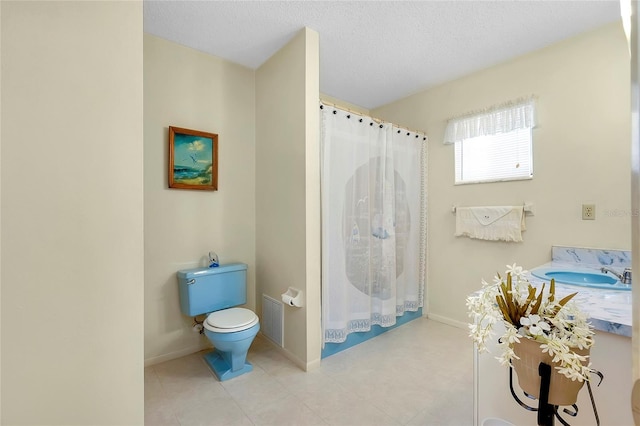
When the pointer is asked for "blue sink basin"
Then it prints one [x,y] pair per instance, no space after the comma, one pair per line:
[580,278]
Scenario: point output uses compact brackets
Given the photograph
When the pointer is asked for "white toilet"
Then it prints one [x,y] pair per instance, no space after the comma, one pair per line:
[216,292]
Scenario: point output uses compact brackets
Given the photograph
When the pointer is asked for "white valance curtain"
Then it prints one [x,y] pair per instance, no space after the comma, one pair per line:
[502,118]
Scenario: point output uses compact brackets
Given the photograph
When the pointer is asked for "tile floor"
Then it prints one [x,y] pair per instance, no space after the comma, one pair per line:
[418,374]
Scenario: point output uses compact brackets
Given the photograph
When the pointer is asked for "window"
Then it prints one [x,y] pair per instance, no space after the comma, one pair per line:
[495,144]
[490,158]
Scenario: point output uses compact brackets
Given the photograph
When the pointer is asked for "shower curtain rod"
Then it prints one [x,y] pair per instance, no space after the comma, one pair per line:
[377,120]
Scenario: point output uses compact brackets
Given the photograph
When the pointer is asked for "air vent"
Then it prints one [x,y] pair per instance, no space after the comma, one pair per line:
[272,319]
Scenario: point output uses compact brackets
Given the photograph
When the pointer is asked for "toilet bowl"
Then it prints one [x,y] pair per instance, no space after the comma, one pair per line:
[231,332]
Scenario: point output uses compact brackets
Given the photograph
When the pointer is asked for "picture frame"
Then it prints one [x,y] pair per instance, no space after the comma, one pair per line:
[193,159]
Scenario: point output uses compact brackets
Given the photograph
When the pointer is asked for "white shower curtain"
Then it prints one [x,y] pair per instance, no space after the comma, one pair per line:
[372,223]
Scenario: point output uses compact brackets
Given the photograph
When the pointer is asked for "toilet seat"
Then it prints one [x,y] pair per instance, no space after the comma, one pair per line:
[230,320]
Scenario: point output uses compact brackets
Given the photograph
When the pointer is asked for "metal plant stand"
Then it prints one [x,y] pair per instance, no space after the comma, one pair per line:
[547,413]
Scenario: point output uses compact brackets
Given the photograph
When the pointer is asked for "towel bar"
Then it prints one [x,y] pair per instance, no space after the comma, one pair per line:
[528,209]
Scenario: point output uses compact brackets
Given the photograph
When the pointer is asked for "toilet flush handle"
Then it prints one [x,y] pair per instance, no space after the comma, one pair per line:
[191,281]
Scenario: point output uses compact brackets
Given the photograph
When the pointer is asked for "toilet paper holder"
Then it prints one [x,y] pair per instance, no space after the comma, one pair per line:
[293,297]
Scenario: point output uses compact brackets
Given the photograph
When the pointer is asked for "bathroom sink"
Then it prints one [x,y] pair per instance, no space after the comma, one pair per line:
[572,277]
[590,279]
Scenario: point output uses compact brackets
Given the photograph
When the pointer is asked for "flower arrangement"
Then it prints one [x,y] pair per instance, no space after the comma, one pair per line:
[559,326]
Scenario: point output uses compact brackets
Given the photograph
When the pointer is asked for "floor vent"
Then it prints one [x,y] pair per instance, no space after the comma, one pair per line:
[272,319]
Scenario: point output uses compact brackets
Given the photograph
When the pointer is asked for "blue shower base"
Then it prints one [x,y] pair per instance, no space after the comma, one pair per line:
[357,338]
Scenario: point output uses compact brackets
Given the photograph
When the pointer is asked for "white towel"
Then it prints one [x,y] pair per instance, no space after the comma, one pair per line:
[499,223]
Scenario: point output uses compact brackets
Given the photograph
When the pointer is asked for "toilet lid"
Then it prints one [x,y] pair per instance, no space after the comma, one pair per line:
[232,318]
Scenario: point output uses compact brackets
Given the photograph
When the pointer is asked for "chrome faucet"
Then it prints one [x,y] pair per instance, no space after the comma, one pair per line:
[624,277]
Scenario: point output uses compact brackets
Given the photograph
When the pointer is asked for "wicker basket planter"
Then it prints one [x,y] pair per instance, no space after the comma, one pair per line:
[562,390]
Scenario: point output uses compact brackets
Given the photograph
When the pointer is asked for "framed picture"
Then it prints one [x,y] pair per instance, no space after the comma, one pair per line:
[193,159]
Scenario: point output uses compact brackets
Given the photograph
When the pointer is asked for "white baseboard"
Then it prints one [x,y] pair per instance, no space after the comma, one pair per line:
[305,366]
[173,355]
[448,321]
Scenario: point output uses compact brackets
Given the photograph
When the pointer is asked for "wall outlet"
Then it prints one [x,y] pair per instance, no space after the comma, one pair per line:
[588,212]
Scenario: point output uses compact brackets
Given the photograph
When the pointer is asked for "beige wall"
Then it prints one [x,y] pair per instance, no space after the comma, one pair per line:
[0,213]
[581,155]
[194,90]
[288,189]
[72,213]
[633,37]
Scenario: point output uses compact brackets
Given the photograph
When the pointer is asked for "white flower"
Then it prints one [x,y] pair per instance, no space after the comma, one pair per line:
[569,373]
[535,325]
[511,335]
[516,271]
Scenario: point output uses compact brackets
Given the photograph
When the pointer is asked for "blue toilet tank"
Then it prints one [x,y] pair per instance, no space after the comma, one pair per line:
[205,290]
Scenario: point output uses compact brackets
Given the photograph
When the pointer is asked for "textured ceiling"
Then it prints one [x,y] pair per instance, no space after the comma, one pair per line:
[373,53]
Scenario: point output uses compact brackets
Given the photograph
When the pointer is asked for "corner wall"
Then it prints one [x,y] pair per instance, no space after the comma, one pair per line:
[190,89]
[0,211]
[581,155]
[634,51]
[288,190]
[72,213]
